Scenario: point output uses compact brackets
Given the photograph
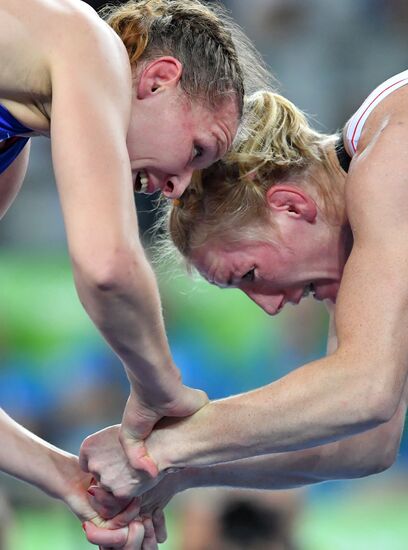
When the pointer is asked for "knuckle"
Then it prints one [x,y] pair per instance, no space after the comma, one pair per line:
[85,445]
[121,492]
[106,484]
[93,467]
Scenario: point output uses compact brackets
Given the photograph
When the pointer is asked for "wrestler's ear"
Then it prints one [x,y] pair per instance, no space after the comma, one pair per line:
[157,75]
[292,200]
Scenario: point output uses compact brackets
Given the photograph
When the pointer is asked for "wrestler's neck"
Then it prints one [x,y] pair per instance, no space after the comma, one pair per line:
[327,184]
[332,179]
[338,178]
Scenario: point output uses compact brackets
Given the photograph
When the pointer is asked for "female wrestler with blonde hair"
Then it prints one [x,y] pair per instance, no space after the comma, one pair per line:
[288,213]
[292,212]
[135,102]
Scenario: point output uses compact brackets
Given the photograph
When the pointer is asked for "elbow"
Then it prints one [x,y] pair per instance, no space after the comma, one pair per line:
[386,459]
[382,406]
[381,452]
[375,465]
[372,395]
[379,461]
[108,272]
[378,405]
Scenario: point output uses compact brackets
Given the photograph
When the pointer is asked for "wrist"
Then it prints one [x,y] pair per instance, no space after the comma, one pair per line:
[67,477]
[58,473]
[179,443]
[155,389]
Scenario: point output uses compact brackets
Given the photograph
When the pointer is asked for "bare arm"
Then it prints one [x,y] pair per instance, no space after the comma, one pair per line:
[57,473]
[29,458]
[359,386]
[360,455]
[90,116]
[357,456]
[113,277]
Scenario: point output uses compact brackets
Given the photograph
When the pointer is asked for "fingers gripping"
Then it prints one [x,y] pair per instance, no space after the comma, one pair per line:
[140,536]
[109,506]
[159,524]
[137,456]
[114,538]
[150,540]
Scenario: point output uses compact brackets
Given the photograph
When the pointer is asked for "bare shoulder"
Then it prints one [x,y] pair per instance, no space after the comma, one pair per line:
[80,36]
[393,109]
[90,55]
[377,183]
[43,38]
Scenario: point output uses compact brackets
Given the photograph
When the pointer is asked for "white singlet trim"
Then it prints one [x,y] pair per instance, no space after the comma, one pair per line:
[356,123]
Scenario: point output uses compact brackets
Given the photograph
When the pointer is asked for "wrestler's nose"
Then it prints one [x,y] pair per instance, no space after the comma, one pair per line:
[271,304]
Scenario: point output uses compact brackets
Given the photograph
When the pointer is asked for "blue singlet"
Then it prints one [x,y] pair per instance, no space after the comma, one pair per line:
[11,128]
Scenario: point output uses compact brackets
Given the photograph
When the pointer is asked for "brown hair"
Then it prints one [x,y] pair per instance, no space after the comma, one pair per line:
[216,56]
[228,200]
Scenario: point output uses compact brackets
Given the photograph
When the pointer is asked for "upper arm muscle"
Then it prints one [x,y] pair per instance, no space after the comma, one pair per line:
[372,306]
[90,116]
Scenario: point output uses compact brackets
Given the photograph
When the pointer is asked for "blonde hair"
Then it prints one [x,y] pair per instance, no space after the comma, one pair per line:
[228,200]
[216,56]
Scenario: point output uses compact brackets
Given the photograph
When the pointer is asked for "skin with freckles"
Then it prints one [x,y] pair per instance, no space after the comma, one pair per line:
[342,415]
[307,251]
[187,136]
[282,217]
[122,111]
[116,123]
[358,456]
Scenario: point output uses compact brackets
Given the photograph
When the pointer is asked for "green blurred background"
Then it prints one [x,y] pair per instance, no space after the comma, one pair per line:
[60,380]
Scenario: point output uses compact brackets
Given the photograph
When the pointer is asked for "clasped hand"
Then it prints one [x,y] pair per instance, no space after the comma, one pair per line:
[130,479]
[116,481]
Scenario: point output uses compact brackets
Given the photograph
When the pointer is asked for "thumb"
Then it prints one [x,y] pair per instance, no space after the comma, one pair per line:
[104,503]
[138,456]
[136,452]
[115,538]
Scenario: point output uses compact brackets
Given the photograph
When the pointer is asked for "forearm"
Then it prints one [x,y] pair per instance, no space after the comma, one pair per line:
[314,405]
[29,458]
[124,304]
[360,455]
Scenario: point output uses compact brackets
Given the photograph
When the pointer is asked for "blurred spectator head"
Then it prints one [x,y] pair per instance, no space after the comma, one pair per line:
[240,520]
